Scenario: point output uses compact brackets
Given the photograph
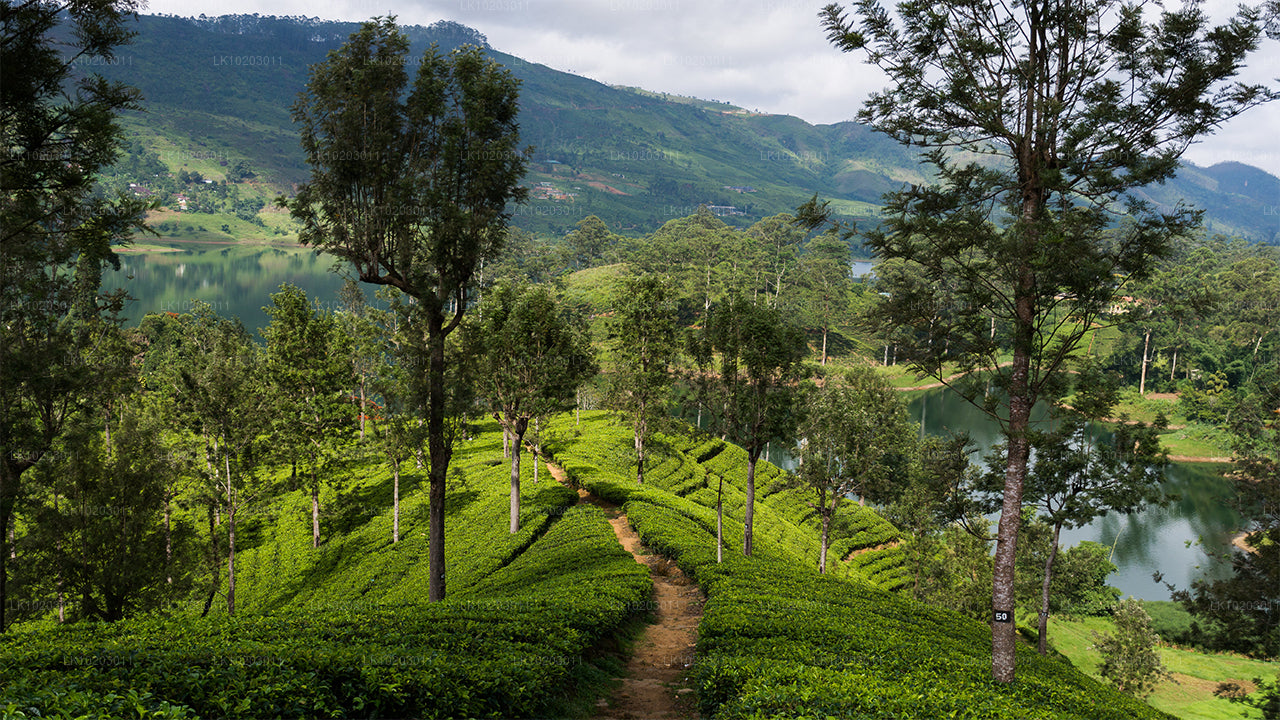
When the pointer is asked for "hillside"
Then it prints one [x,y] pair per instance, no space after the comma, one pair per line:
[533,620]
[219,90]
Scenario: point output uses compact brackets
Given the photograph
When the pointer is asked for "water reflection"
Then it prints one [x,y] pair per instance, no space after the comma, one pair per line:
[237,280]
[1176,540]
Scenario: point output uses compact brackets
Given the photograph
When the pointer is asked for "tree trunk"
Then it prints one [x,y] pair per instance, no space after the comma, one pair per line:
[1004,631]
[231,544]
[517,435]
[1142,383]
[822,552]
[720,521]
[506,442]
[1174,365]
[395,500]
[315,507]
[362,408]
[749,508]
[168,539]
[639,433]
[4,563]
[440,451]
[213,563]
[1042,644]
[824,346]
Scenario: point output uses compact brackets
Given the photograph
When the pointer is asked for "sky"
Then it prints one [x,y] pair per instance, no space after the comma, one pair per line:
[766,55]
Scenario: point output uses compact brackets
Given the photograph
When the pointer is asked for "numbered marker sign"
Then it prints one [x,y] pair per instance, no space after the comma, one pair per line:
[1003,616]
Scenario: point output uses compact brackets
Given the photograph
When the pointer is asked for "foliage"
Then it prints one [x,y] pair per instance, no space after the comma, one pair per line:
[531,358]
[755,382]
[411,184]
[1265,696]
[1130,660]
[1060,112]
[779,640]
[346,631]
[642,341]
[855,440]
[58,129]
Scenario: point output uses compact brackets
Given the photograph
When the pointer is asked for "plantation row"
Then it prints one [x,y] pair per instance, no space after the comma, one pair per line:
[693,469]
[778,640]
[346,631]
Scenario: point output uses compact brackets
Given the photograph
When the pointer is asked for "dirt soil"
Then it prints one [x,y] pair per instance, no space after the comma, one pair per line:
[656,683]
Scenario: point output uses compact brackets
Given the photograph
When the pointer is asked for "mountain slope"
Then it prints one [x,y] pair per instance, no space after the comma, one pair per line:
[219,91]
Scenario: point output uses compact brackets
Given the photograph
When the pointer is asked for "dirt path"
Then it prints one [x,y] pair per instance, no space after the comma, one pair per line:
[655,685]
[855,553]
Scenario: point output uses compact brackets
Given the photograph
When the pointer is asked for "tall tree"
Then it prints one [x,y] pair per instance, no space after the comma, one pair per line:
[1039,118]
[58,129]
[756,382]
[855,434]
[230,406]
[411,185]
[532,358]
[643,346]
[311,375]
[588,242]
[826,284]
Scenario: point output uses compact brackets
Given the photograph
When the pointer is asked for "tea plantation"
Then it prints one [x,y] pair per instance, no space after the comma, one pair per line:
[345,631]
[778,640]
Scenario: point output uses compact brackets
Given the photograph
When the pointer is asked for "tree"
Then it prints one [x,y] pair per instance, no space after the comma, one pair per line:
[532,357]
[411,185]
[228,404]
[1039,118]
[58,129]
[1239,611]
[642,341]
[1130,660]
[1077,477]
[777,240]
[755,384]
[311,374]
[588,242]
[855,434]
[102,532]
[824,269]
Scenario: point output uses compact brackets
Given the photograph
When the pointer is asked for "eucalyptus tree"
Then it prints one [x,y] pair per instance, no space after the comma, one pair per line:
[58,129]
[826,284]
[311,378]
[411,184]
[777,241]
[754,357]
[643,343]
[855,434]
[1039,118]
[229,405]
[531,356]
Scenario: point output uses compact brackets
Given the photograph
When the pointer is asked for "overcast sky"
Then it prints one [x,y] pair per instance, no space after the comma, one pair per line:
[767,55]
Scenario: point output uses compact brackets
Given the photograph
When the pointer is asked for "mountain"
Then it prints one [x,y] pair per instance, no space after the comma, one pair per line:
[218,92]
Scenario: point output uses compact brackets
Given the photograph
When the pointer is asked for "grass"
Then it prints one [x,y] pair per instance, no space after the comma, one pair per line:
[1196,674]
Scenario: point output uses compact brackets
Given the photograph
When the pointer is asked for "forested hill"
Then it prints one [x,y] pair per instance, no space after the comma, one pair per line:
[218,92]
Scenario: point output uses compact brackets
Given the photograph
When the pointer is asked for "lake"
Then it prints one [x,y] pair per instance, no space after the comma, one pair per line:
[1171,539]
[237,280]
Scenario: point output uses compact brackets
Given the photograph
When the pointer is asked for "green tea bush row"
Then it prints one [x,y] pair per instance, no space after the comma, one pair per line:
[778,640]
